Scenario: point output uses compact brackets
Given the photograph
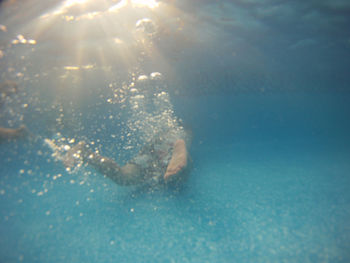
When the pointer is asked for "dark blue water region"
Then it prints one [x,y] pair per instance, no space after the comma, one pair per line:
[269,199]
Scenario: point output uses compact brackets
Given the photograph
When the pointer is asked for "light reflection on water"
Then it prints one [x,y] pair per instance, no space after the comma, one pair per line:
[72,60]
[107,72]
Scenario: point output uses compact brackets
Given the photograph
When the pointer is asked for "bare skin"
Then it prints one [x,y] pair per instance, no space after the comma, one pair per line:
[178,160]
[73,154]
[12,134]
[129,174]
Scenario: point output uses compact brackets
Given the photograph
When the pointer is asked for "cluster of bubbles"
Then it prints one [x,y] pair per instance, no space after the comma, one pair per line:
[143,97]
[60,146]
[141,105]
[147,27]
[149,109]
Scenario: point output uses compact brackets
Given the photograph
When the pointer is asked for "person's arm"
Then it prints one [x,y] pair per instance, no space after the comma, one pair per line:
[10,134]
[178,161]
[129,174]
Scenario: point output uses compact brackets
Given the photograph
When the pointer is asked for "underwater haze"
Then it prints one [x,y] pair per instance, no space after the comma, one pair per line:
[260,88]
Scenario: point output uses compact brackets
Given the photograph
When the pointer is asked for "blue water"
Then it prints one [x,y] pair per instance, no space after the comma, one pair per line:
[270,140]
[269,199]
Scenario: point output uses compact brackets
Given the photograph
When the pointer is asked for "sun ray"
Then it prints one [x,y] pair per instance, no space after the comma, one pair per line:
[145,3]
[129,29]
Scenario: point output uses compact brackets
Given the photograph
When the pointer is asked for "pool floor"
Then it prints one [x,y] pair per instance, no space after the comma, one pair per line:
[258,202]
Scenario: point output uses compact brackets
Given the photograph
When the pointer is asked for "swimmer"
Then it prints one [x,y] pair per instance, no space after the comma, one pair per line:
[163,160]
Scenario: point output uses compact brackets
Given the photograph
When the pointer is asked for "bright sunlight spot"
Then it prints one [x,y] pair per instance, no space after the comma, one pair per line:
[70,3]
[147,3]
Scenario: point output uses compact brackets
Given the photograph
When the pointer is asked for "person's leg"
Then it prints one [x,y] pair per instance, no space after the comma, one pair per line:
[129,174]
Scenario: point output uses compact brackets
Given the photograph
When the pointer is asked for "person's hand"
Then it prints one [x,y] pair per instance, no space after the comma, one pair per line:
[74,155]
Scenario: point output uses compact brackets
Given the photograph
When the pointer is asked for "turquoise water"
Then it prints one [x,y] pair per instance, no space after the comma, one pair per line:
[271,199]
[267,104]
